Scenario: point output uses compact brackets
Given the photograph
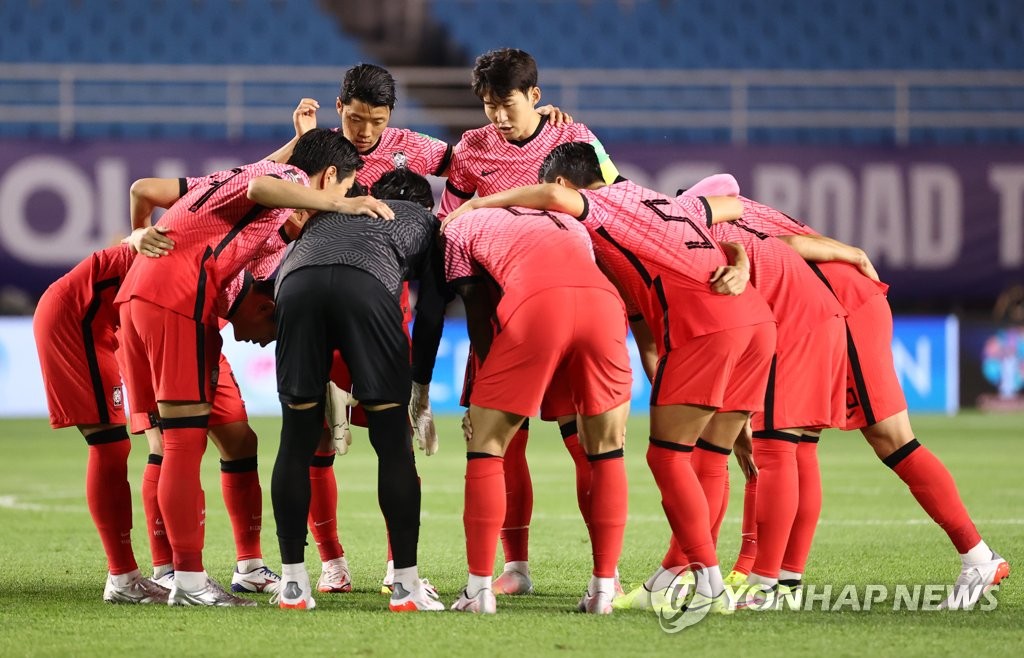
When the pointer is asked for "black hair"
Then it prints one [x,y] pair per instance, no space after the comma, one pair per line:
[357,189]
[404,185]
[500,73]
[370,84]
[575,161]
[250,285]
[320,148]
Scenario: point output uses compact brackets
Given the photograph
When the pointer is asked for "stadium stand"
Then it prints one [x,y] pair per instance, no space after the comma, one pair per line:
[729,39]
[773,34]
[706,34]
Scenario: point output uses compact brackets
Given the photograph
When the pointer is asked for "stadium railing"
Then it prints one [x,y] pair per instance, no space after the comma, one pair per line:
[65,99]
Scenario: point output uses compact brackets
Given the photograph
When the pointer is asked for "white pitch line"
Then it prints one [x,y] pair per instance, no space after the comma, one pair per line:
[13,502]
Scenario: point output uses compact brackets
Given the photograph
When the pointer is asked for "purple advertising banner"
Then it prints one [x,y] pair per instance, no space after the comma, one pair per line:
[942,224]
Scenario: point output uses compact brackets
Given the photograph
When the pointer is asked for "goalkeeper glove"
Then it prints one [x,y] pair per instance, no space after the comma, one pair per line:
[339,413]
[422,418]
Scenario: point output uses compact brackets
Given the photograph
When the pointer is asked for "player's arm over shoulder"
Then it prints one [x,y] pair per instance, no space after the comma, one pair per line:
[148,194]
[546,196]
[145,196]
[717,209]
[820,248]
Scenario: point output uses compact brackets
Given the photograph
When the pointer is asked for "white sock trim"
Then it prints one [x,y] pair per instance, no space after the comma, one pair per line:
[477,583]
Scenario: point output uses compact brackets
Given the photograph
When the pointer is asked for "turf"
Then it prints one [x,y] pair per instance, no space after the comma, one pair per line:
[872,532]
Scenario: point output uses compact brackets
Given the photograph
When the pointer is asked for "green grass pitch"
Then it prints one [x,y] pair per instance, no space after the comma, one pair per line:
[872,532]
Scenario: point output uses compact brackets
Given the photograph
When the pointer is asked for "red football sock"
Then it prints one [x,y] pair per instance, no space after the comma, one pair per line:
[180,492]
[515,530]
[159,547]
[808,510]
[608,498]
[571,438]
[323,506]
[110,498]
[675,557]
[485,508]
[748,530]
[683,500]
[711,465]
[243,498]
[778,490]
[932,485]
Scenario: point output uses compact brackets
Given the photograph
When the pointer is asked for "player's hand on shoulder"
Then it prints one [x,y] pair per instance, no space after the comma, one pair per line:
[151,241]
[729,280]
[866,267]
[365,205]
[304,116]
[556,116]
[458,212]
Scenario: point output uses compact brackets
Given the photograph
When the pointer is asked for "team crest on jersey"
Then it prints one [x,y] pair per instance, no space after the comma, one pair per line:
[117,397]
[400,160]
[293,176]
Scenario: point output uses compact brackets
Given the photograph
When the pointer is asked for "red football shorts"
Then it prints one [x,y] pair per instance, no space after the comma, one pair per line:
[228,405]
[80,373]
[562,351]
[807,383]
[873,391]
[167,356]
[726,370]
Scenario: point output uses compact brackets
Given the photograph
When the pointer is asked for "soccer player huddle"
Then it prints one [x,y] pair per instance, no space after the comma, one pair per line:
[756,332]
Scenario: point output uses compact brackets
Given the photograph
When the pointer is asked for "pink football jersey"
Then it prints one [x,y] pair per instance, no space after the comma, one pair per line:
[798,298]
[217,231]
[847,282]
[398,148]
[484,162]
[524,251]
[661,253]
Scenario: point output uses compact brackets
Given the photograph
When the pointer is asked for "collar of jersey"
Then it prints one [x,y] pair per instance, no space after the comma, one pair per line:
[523,142]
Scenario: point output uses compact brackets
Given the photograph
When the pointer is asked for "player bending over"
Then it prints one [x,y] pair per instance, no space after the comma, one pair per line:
[561,349]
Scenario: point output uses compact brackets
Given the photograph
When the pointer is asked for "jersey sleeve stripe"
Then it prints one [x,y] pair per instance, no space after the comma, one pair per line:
[586,209]
[182,187]
[707,211]
[456,191]
[445,161]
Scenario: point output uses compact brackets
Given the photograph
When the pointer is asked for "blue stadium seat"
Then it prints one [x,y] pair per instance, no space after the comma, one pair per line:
[829,34]
[653,34]
[173,32]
